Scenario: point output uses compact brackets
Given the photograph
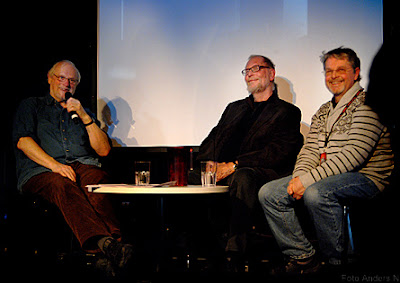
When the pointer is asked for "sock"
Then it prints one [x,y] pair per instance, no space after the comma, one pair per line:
[305,261]
[104,242]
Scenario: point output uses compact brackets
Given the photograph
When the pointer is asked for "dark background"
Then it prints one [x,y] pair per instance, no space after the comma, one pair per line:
[36,34]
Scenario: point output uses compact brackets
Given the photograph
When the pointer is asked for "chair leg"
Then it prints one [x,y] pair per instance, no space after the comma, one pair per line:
[349,248]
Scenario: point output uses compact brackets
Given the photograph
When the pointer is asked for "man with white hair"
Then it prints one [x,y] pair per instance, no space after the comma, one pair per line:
[57,157]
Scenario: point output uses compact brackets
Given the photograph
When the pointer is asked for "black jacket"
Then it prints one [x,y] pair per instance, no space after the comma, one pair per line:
[272,142]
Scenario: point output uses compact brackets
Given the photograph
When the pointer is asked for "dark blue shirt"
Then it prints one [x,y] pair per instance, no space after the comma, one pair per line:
[50,125]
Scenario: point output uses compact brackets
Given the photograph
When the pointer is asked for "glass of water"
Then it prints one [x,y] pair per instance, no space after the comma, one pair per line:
[142,173]
[208,173]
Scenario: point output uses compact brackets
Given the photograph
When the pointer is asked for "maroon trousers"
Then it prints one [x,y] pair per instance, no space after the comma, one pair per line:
[89,215]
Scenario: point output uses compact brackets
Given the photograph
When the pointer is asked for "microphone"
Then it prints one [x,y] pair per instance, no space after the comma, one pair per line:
[73,114]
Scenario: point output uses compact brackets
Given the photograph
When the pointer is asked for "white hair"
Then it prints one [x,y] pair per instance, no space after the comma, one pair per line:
[51,71]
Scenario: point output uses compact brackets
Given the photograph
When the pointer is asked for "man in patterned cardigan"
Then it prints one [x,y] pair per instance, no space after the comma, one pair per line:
[347,156]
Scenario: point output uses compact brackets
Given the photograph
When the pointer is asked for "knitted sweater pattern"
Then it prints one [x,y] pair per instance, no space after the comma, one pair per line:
[357,142]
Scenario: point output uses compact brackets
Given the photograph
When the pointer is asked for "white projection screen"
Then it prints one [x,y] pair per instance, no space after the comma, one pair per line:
[168,68]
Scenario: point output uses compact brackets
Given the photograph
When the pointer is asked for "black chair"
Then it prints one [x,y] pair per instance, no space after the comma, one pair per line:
[47,233]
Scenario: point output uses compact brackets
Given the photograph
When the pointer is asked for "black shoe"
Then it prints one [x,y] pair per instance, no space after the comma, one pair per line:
[105,266]
[118,253]
[298,267]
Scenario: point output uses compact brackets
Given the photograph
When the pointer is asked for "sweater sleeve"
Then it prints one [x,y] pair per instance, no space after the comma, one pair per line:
[364,133]
[308,157]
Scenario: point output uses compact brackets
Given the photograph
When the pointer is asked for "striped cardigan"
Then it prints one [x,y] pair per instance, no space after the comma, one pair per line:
[358,143]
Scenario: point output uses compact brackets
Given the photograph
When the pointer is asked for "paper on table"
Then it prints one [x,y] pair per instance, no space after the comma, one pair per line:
[97,186]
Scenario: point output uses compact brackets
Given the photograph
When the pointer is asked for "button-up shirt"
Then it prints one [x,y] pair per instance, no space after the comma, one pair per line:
[51,127]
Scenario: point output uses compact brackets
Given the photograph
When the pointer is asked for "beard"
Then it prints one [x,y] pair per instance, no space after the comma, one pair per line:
[336,89]
[254,88]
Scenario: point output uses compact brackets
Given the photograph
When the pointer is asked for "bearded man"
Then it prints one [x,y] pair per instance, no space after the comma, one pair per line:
[255,141]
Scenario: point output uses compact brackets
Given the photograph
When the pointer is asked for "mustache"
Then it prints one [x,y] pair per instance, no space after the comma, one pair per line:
[252,80]
[336,81]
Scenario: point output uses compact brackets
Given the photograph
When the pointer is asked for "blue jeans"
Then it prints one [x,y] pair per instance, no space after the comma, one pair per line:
[323,201]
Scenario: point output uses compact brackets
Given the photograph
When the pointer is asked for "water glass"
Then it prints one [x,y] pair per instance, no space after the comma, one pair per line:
[142,173]
[208,173]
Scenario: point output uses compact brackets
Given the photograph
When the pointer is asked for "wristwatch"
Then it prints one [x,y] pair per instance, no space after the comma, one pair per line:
[235,166]
[88,124]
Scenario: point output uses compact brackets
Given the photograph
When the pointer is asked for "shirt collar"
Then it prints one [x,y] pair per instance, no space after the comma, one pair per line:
[348,95]
[49,100]
[274,96]
[333,100]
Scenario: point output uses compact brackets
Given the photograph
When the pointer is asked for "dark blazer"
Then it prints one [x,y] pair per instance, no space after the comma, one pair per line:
[272,142]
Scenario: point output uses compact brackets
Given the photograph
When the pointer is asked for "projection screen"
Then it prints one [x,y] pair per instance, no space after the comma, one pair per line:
[168,68]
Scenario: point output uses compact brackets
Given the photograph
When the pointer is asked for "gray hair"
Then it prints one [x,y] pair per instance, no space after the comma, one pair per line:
[343,53]
[51,71]
[266,60]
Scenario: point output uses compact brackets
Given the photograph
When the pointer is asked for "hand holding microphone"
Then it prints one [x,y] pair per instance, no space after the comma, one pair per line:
[75,104]
[73,114]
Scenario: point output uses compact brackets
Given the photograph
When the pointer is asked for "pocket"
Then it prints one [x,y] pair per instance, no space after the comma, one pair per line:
[77,134]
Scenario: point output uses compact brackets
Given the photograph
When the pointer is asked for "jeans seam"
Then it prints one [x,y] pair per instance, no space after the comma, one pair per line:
[338,235]
[338,226]
[287,227]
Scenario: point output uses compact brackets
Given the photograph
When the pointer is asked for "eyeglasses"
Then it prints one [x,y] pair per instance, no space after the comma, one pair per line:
[62,79]
[254,69]
[339,72]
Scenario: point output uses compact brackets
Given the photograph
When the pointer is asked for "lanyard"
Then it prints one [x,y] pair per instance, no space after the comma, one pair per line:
[340,115]
[328,134]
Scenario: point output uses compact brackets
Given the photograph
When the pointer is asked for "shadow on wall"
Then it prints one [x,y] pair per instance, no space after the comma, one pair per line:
[118,126]
[286,93]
